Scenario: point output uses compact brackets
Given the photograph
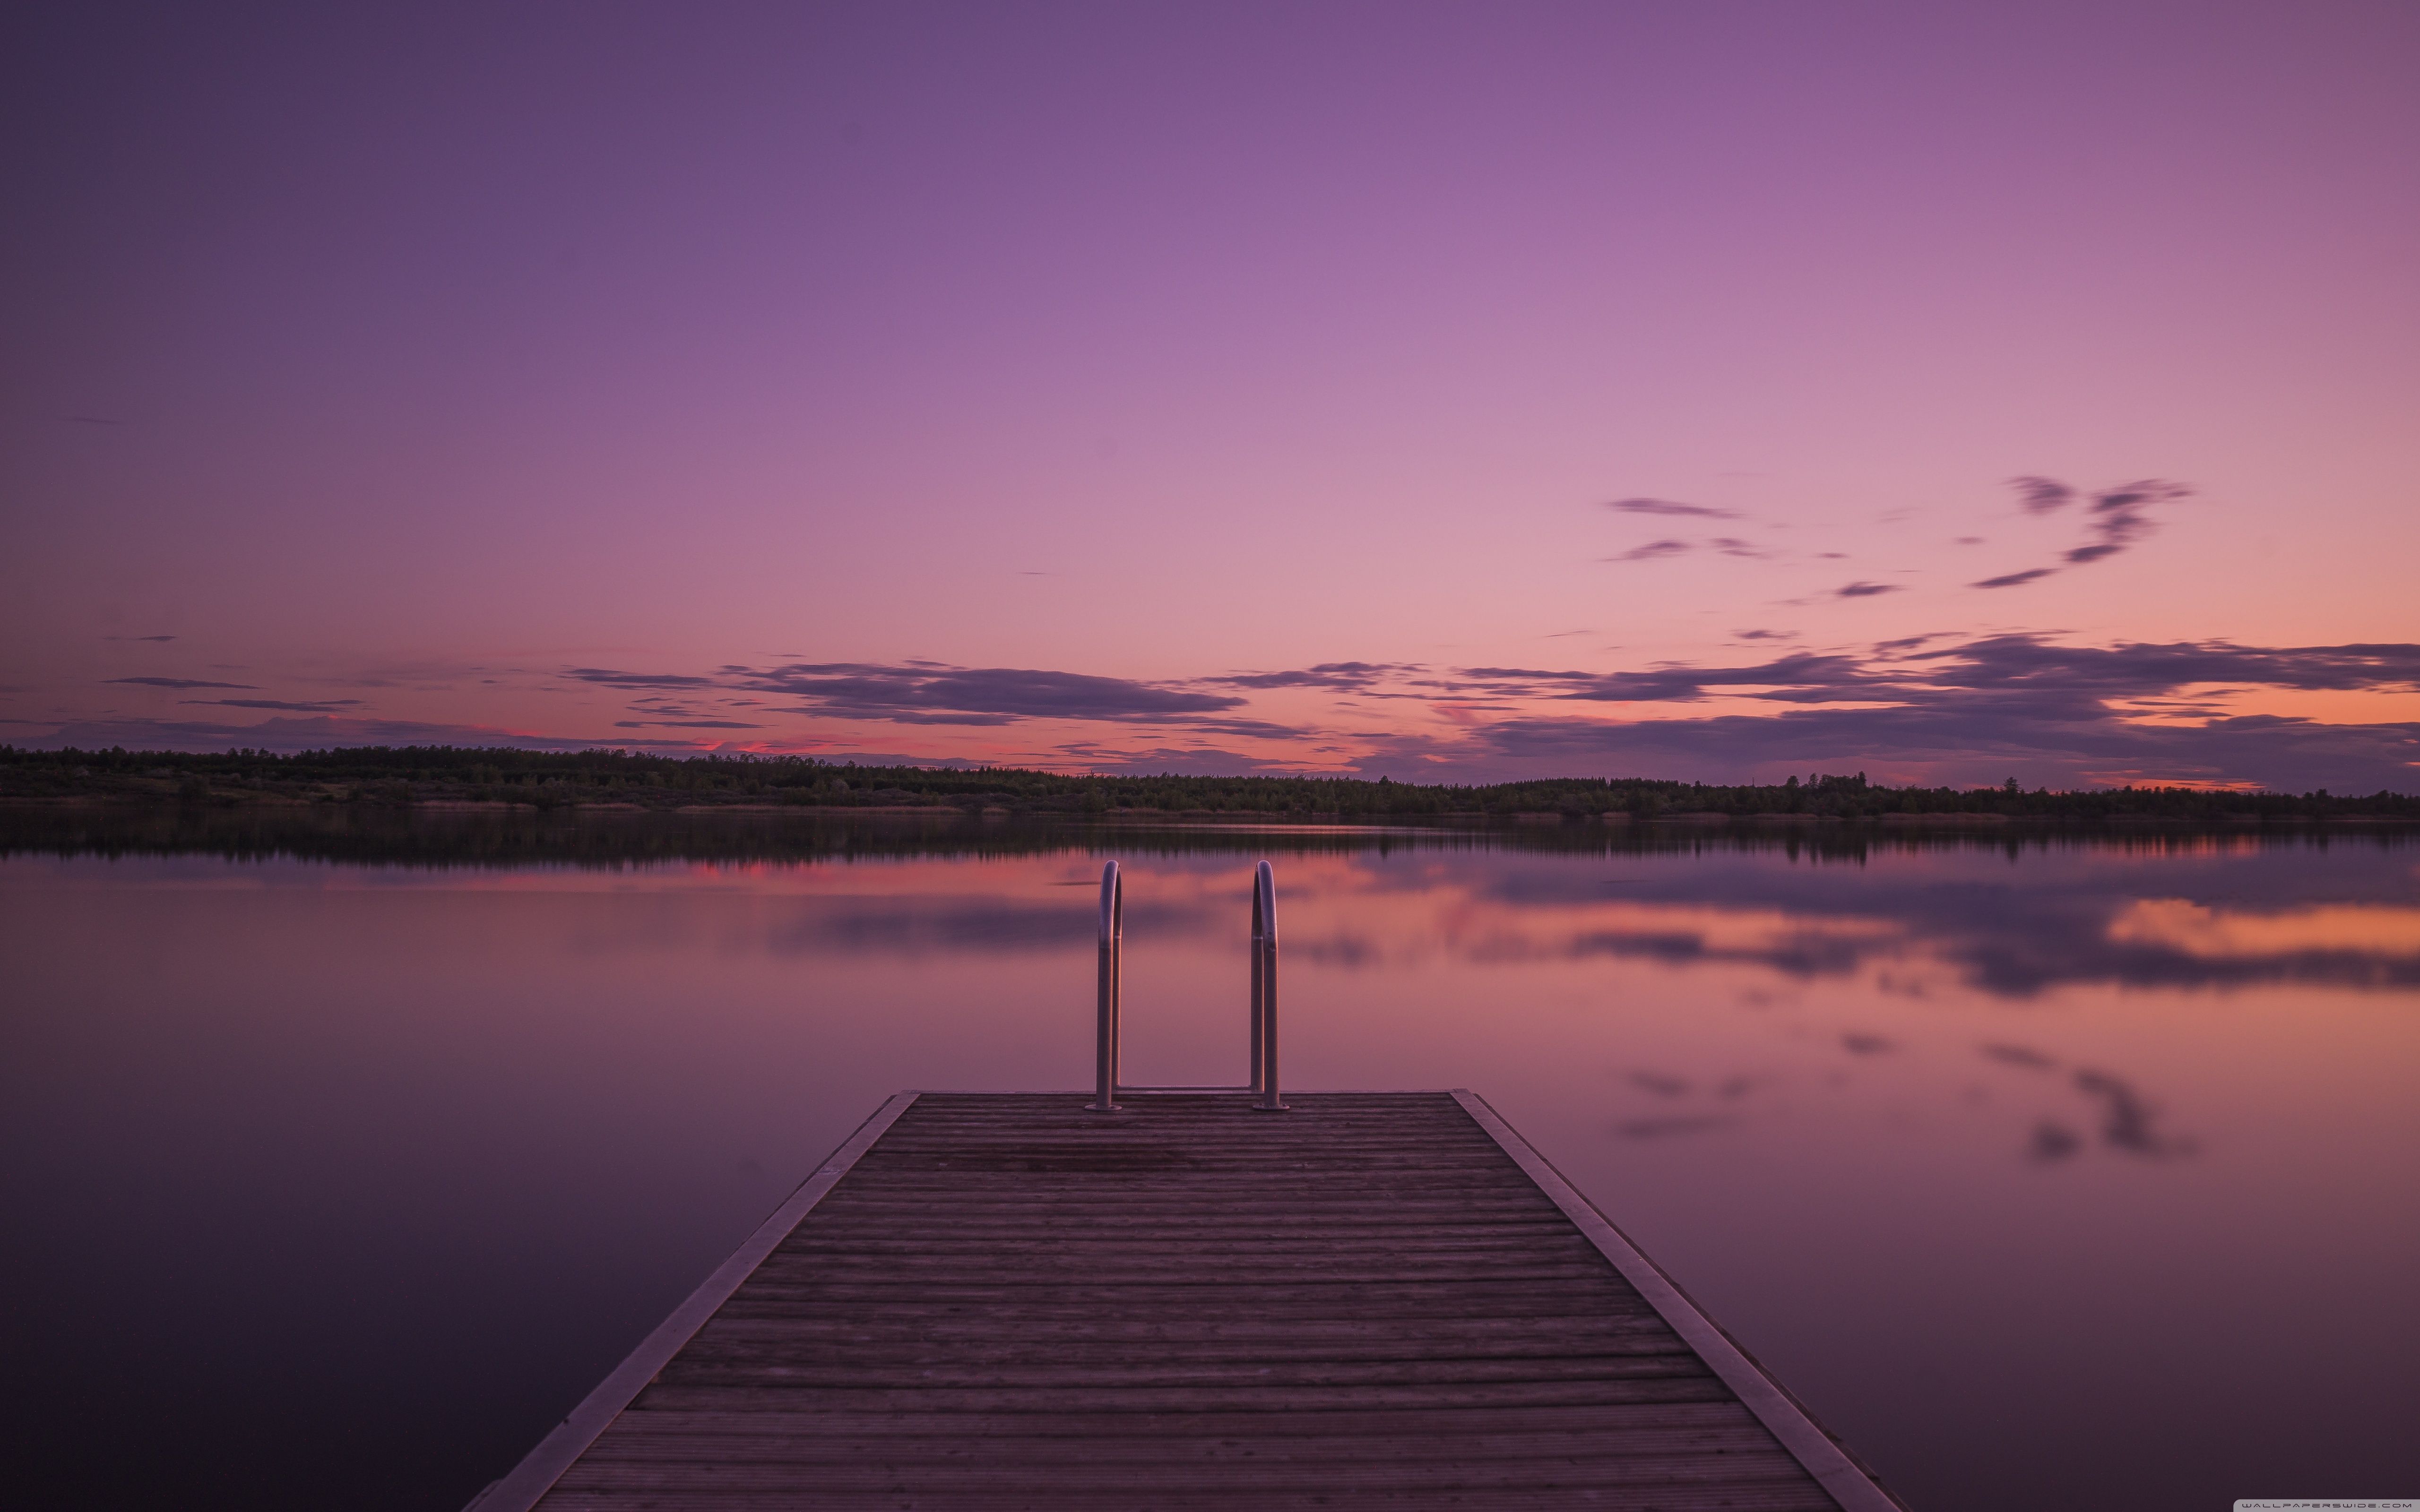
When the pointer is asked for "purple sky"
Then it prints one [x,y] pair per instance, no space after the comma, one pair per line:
[1436,391]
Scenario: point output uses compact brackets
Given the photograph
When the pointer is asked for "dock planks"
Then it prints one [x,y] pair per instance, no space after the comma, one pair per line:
[1376,1299]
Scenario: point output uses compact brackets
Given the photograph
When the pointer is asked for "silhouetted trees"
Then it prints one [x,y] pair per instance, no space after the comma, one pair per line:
[402,777]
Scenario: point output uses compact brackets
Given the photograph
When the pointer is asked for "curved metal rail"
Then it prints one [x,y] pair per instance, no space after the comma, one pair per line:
[1113,928]
[1108,1088]
[1265,990]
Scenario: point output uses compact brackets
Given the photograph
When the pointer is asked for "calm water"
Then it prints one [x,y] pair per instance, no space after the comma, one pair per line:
[341,1160]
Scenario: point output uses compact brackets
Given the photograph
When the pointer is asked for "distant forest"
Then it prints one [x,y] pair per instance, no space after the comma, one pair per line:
[399,777]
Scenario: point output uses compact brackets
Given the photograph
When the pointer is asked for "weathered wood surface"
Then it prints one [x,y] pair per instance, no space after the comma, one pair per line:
[1007,1302]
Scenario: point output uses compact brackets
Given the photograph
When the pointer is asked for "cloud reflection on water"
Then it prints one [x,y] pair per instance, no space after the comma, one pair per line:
[1938,929]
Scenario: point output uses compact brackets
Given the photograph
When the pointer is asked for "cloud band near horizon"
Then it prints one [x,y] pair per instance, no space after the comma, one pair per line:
[1926,707]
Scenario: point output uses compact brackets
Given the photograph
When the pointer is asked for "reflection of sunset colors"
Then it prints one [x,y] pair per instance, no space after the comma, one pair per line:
[2060,1107]
[2371,930]
[1941,392]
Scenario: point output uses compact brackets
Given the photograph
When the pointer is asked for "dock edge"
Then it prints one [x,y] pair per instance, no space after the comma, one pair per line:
[530,1480]
[1848,1482]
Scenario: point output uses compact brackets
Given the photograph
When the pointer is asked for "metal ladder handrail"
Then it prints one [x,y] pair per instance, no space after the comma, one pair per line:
[1107,1086]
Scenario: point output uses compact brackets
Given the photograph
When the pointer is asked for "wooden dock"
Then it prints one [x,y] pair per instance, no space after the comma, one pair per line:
[1375,1299]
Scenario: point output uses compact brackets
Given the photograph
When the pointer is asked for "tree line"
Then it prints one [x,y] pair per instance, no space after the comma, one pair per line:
[403,776]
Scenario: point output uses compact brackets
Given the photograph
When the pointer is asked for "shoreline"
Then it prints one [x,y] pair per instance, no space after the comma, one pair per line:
[284,805]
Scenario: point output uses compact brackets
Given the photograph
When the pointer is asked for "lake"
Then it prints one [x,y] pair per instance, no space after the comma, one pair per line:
[348,1151]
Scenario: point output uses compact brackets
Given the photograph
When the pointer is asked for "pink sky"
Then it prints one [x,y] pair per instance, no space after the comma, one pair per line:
[1065,385]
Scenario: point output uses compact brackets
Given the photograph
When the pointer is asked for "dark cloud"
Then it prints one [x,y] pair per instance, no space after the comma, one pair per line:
[1799,675]
[1651,551]
[154,638]
[1905,642]
[2041,677]
[1666,506]
[176,683]
[1510,678]
[606,678]
[2012,580]
[323,706]
[1343,677]
[2017,699]
[1865,590]
[1866,1045]
[1729,546]
[925,693]
[2138,669]
[2118,518]
[2039,496]
[919,691]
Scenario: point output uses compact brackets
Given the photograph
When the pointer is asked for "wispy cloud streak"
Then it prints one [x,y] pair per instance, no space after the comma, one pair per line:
[2117,519]
[932,693]
[1666,506]
[180,684]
